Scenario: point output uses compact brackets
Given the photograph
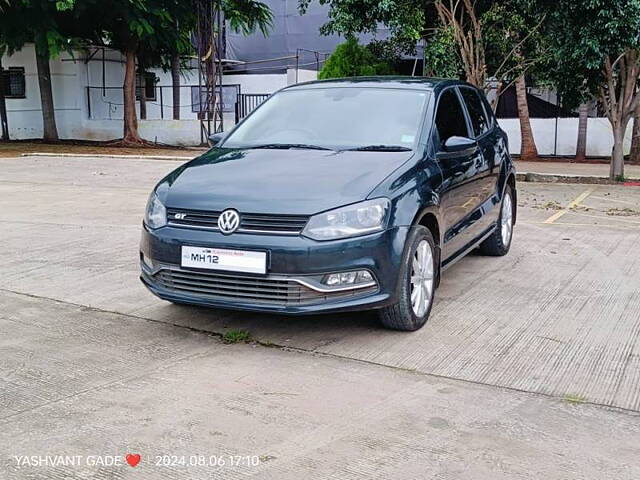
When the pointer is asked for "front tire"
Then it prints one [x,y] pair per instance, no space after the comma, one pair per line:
[499,243]
[417,284]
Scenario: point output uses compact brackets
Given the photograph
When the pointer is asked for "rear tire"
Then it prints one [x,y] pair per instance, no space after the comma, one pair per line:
[417,284]
[499,243]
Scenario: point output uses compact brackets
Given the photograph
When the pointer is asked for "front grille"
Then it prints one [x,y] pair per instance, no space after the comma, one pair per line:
[245,289]
[249,222]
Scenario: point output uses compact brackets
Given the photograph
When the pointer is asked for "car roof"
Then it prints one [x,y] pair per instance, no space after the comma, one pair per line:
[412,83]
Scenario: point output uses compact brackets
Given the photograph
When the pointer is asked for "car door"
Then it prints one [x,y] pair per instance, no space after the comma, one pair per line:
[459,172]
[483,195]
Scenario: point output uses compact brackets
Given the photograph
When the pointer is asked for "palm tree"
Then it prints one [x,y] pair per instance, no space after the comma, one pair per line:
[528,150]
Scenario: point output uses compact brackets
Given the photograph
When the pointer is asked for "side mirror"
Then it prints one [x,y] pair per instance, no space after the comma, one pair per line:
[459,145]
[216,138]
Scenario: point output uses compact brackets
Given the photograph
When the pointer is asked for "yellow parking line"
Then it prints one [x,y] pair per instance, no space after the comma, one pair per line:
[574,203]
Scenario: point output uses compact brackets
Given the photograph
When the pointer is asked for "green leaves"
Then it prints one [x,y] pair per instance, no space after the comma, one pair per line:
[441,57]
[64,5]
[48,23]
[247,16]
[350,59]
[581,36]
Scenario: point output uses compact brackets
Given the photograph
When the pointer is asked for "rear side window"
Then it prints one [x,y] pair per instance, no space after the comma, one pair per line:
[479,119]
[450,120]
[12,82]
[487,108]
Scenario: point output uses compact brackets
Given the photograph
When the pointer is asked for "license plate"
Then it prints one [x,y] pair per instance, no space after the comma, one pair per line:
[223,259]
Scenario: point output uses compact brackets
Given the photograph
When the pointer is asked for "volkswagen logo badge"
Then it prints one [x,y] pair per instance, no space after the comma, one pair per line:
[229,221]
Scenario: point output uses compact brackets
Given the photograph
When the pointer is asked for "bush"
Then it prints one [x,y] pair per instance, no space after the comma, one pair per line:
[350,59]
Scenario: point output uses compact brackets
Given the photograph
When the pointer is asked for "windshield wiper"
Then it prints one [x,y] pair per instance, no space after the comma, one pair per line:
[285,146]
[379,148]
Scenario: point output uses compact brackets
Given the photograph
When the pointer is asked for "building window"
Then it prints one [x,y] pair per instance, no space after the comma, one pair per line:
[146,82]
[13,82]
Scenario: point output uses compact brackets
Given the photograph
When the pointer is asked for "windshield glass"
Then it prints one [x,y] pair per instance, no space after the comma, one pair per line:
[335,118]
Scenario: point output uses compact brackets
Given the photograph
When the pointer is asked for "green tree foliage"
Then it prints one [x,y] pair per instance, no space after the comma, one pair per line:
[513,38]
[52,31]
[247,16]
[406,19]
[453,32]
[350,59]
[583,35]
[151,30]
[596,49]
[441,57]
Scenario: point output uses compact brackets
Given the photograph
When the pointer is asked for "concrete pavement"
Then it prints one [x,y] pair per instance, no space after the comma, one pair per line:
[91,363]
[88,383]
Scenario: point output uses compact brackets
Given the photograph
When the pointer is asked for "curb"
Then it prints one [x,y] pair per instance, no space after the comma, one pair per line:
[103,155]
[534,177]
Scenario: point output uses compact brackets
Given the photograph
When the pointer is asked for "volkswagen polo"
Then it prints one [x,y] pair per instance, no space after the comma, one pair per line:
[332,196]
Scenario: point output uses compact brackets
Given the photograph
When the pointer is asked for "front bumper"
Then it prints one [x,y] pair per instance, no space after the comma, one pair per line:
[289,258]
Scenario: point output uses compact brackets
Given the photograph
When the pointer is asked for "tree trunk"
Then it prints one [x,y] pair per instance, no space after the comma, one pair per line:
[3,106]
[528,150]
[143,90]
[635,139]
[50,131]
[620,97]
[175,81]
[583,122]
[130,134]
[616,171]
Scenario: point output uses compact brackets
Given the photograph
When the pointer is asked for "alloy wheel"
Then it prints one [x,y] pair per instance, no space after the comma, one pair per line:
[422,278]
[506,226]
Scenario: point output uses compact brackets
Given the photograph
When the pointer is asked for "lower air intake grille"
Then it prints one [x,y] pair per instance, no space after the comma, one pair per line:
[245,289]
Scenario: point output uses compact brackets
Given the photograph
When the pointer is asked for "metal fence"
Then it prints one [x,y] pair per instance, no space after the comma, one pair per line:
[107,103]
[247,102]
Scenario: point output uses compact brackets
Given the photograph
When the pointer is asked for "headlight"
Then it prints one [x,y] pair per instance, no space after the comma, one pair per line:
[350,221]
[155,216]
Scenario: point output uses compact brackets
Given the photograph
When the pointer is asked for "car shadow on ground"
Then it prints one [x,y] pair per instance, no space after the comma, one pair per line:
[314,331]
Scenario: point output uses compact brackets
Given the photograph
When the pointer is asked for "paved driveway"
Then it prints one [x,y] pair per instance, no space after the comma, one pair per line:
[559,317]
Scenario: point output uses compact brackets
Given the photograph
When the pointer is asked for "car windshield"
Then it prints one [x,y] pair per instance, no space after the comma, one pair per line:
[338,118]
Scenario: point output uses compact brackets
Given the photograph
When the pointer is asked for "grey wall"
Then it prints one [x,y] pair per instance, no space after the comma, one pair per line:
[291,31]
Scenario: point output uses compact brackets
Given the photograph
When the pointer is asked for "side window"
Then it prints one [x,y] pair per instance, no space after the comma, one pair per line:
[489,112]
[450,120]
[146,83]
[12,82]
[476,112]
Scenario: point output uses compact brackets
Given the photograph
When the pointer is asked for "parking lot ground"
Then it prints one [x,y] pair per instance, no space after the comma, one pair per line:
[82,382]
[540,348]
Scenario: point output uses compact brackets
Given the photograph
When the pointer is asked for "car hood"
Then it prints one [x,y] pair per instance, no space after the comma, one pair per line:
[292,181]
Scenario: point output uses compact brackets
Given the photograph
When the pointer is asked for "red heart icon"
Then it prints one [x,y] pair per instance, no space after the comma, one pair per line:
[133,459]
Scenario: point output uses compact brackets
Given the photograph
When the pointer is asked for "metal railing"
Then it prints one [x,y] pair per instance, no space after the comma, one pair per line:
[247,102]
[107,103]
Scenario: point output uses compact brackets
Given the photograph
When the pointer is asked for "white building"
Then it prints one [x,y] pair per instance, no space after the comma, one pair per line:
[87,92]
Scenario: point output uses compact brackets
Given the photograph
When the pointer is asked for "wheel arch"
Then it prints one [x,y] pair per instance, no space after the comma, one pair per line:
[511,182]
[429,219]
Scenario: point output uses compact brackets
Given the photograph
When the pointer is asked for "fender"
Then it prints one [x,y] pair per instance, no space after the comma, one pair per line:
[507,174]
[416,199]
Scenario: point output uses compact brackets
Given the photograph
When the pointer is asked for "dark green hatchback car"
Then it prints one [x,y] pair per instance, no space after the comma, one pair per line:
[335,195]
